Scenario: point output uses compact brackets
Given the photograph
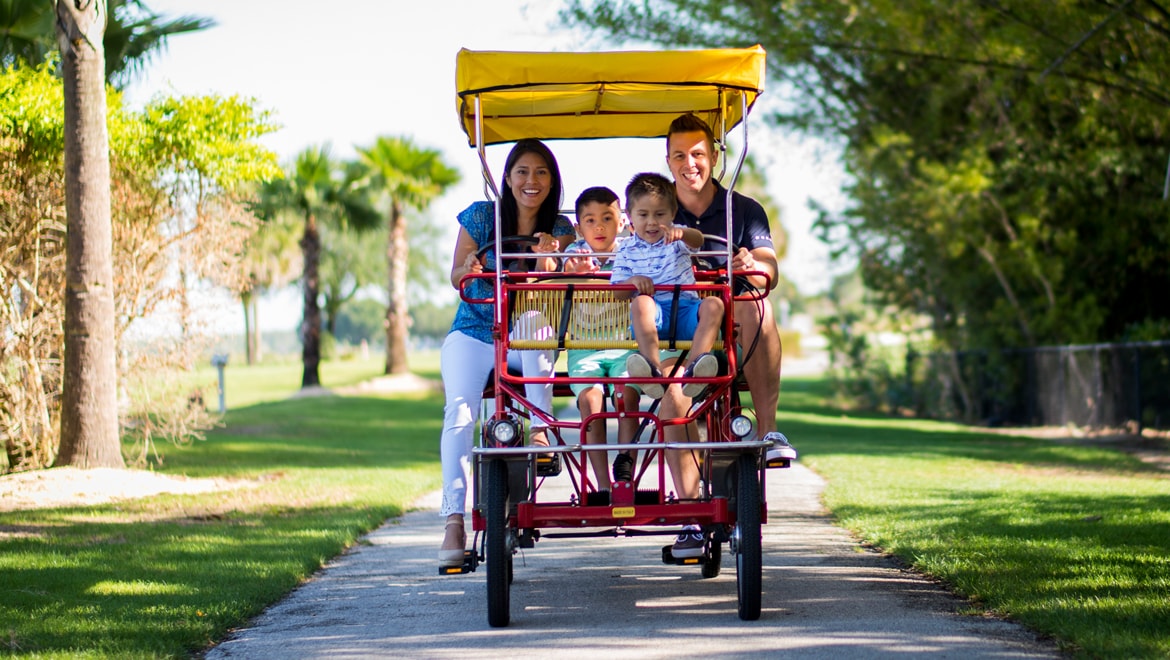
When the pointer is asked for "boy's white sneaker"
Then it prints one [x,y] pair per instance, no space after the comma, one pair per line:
[780,449]
[637,366]
[706,366]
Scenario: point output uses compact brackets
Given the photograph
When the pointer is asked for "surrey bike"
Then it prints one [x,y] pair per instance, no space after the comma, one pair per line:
[504,97]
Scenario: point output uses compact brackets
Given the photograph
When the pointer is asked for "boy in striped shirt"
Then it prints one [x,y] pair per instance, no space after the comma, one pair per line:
[660,253]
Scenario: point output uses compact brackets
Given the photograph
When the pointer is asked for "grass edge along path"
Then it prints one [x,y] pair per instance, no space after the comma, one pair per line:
[1072,541]
[167,576]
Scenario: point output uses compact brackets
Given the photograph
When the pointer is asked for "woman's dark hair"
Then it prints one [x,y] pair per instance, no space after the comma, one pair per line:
[546,216]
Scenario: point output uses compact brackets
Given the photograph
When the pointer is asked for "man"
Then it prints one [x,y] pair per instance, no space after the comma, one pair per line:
[691,157]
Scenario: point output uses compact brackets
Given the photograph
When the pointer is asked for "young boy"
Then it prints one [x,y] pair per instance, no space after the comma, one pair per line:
[660,253]
[599,221]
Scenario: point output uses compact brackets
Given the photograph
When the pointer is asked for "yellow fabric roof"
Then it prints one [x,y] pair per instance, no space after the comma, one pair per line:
[602,95]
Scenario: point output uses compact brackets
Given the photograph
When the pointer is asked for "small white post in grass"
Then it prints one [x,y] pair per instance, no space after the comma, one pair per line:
[219,361]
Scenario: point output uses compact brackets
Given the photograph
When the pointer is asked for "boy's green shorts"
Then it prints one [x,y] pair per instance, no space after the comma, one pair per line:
[609,363]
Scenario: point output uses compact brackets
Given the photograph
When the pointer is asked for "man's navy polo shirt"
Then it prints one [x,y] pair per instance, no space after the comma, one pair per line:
[749,222]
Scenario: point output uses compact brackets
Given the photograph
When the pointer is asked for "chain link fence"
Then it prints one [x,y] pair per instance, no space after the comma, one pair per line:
[1095,386]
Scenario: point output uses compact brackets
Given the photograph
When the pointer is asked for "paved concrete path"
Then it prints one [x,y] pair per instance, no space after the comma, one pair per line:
[824,597]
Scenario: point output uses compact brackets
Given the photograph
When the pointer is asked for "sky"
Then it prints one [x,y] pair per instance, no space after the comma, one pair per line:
[366,68]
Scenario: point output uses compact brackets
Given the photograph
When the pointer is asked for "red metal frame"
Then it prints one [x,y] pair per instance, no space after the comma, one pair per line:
[715,412]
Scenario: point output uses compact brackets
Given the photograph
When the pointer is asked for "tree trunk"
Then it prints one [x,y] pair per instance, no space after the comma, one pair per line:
[249,346]
[397,313]
[311,325]
[184,297]
[89,412]
[257,344]
[332,309]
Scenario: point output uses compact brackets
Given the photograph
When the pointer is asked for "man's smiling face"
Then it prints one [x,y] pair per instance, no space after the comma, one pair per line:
[689,157]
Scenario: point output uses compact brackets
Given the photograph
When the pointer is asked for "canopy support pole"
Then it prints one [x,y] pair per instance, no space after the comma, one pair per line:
[734,178]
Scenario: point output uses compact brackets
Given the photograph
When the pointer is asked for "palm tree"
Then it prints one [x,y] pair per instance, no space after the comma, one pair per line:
[89,406]
[27,31]
[402,176]
[136,34]
[311,189]
[133,34]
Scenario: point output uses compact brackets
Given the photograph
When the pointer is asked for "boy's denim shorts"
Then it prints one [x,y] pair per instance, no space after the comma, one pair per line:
[688,318]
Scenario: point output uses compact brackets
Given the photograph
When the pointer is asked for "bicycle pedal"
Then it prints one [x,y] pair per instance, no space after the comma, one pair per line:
[548,465]
[778,463]
[597,498]
[669,558]
[646,497]
[470,561]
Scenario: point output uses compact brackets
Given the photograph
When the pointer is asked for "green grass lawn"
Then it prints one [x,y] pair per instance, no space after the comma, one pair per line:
[1072,541]
[167,575]
[245,386]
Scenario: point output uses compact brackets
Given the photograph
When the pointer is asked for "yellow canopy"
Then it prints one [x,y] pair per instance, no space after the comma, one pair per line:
[603,95]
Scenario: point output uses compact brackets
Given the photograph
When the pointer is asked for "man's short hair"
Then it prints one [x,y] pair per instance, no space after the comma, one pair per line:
[599,194]
[651,184]
[691,123]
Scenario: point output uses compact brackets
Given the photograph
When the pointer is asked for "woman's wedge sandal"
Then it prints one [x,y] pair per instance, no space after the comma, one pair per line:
[453,556]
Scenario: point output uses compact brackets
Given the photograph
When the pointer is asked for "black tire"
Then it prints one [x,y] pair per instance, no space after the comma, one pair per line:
[749,554]
[499,556]
[714,561]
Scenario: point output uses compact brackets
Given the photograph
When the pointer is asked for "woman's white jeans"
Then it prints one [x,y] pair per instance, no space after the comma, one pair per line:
[465,364]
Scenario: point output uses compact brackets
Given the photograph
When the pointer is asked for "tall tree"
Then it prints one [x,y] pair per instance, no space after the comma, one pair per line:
[144,156]
[89,406]
[402,176]
[132,36]
[27,31]
[136,34]
[311,188]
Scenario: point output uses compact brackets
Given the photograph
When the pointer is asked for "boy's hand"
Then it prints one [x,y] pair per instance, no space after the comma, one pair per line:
[674,234]
[644,284]
[581,264]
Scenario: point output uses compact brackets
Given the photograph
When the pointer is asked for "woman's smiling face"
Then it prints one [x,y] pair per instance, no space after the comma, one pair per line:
[530,180]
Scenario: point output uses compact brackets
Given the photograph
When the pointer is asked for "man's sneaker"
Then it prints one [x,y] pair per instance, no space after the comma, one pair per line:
[706,366]
[780,450]
[638,367]
[689,543]
[623,467]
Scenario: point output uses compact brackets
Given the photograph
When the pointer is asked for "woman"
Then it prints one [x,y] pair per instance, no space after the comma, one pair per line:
[529,206]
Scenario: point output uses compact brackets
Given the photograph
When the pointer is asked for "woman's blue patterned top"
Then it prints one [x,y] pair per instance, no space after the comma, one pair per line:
[479,219]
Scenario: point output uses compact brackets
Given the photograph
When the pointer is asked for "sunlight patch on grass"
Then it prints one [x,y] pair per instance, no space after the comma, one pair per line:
[132,588]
